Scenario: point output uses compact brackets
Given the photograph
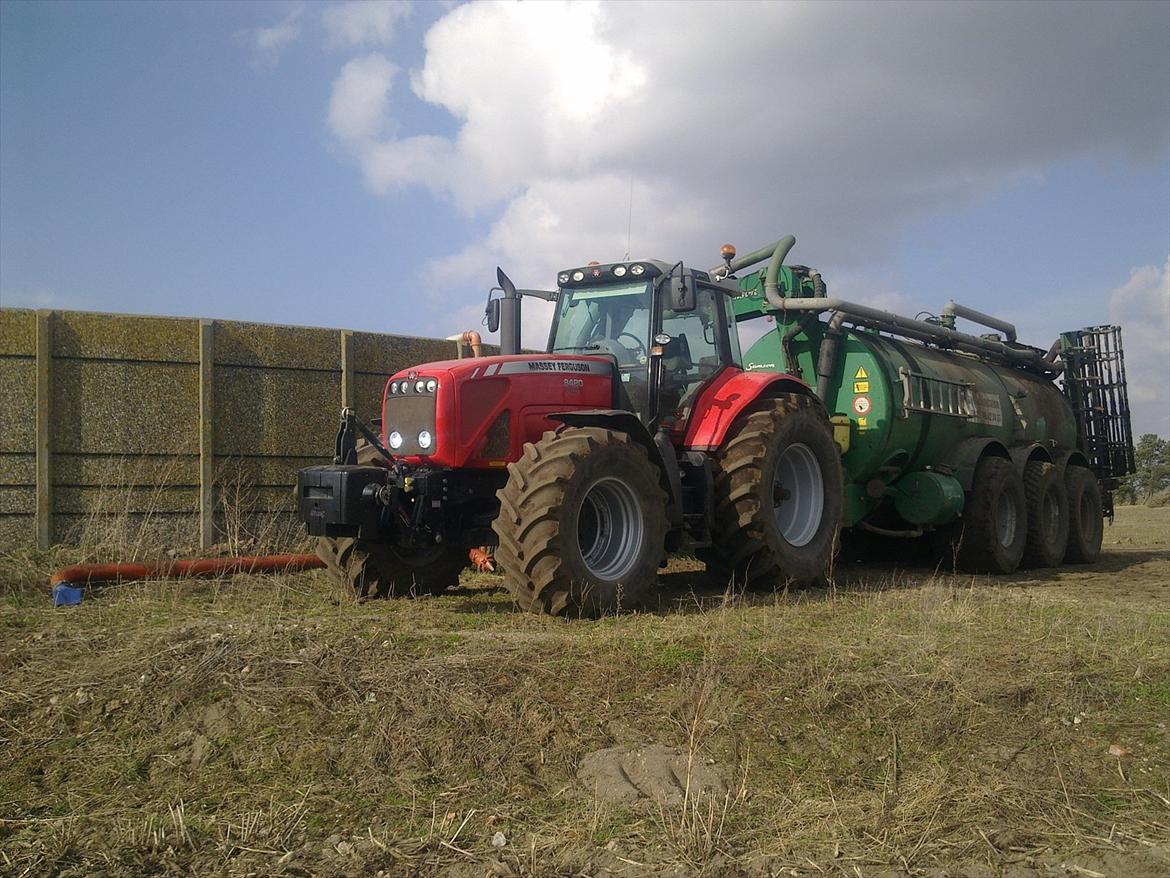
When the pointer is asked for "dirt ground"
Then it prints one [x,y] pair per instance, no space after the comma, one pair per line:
[903,721]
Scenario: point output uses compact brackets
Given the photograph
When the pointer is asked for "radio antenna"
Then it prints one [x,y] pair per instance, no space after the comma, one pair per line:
[630,218]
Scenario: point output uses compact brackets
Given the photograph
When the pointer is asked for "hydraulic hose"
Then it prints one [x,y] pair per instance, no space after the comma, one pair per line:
[83,574]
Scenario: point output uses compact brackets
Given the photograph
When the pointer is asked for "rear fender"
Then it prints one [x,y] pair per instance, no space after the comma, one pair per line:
[1071,457]
[658,448]
[732,393]
[967,454]
[1022,455]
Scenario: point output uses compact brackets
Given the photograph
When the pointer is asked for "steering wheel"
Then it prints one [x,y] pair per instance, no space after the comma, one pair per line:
[640,349]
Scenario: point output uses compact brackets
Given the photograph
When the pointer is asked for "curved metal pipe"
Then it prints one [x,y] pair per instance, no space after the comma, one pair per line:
[720,271]
[920,329]
[953,309]
[772,277]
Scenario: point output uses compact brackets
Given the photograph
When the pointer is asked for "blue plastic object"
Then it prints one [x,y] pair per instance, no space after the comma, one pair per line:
[66,595]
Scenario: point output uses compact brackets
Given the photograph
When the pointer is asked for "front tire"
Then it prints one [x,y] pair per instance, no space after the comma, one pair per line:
[995,520]
[778,496]
[1085,517]
[370,568]
[374,569]
[582,524]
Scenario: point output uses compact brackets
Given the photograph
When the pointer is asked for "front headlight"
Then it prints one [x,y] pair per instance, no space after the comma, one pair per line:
[424,439]
[395,440]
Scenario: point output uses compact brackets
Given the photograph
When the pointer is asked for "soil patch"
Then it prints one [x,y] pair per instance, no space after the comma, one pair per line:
[653,773]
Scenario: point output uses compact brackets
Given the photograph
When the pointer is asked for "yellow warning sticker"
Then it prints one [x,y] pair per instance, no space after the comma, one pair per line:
[861,387]
[861,373]
[862,423]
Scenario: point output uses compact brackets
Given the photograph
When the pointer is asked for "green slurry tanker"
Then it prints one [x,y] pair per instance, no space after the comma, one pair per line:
[968,436]
[644,428]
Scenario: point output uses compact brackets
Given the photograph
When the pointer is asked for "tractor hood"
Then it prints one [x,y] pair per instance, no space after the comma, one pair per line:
[479,412]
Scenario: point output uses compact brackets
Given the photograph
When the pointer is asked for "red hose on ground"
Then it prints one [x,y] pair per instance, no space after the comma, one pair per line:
[80,574]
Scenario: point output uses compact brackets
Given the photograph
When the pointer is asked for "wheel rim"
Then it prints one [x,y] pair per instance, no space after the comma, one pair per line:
[610,529]
[1005,519]
[798,494]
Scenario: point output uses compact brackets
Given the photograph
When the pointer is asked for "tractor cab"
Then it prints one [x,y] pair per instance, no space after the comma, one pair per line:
[669,331]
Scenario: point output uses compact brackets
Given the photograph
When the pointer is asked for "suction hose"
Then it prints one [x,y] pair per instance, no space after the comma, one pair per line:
[77,575]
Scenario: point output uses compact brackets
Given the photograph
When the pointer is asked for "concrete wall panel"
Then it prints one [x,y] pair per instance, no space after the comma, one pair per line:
[18,399]
[125,337]
[18,332]
[283,347]
[125,408]
[18,470]
[113,470]
[282,411]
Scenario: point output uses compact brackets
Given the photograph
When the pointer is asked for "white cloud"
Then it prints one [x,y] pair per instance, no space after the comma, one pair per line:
[268,42]
[1141,306]
[364,22]
[358,102]
[840,123]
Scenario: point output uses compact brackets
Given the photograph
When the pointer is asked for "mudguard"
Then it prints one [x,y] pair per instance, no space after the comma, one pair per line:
[966,455]
[729,395]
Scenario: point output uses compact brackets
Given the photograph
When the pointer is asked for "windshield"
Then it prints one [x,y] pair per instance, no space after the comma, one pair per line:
[606,319]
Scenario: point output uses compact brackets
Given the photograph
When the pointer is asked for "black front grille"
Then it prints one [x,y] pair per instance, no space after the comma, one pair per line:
[409,414]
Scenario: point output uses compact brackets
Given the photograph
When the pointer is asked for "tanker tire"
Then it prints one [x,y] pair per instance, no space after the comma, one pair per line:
[560,504]
[373,569]
[1085,518]
[370,568]
[749,547]
[995,520]
[1047,515]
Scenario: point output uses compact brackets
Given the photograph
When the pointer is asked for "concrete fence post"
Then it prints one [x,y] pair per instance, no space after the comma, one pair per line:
[44,445]
[347,389]
[207,533]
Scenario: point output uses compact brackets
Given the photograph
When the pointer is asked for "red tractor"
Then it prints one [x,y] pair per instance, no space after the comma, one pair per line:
[636,434]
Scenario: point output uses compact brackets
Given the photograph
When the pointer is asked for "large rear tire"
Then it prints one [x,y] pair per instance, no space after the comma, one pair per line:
[376,569]
[1047,515]
[582,524]
[778,497]
[1085,517]
[995,520]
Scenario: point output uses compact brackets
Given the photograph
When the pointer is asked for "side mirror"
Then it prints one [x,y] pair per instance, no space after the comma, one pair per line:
[493,315]
[679,294]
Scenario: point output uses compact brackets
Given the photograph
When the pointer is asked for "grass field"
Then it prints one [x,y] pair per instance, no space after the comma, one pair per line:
[900,722]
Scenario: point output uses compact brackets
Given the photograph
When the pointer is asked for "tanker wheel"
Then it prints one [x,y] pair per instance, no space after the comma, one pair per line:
[582,524]
[778,497]
[1085,518]
[1047,515]
[995,520]
[374,569]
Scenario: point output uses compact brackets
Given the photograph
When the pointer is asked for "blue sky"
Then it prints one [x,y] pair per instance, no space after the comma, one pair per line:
[368,165]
